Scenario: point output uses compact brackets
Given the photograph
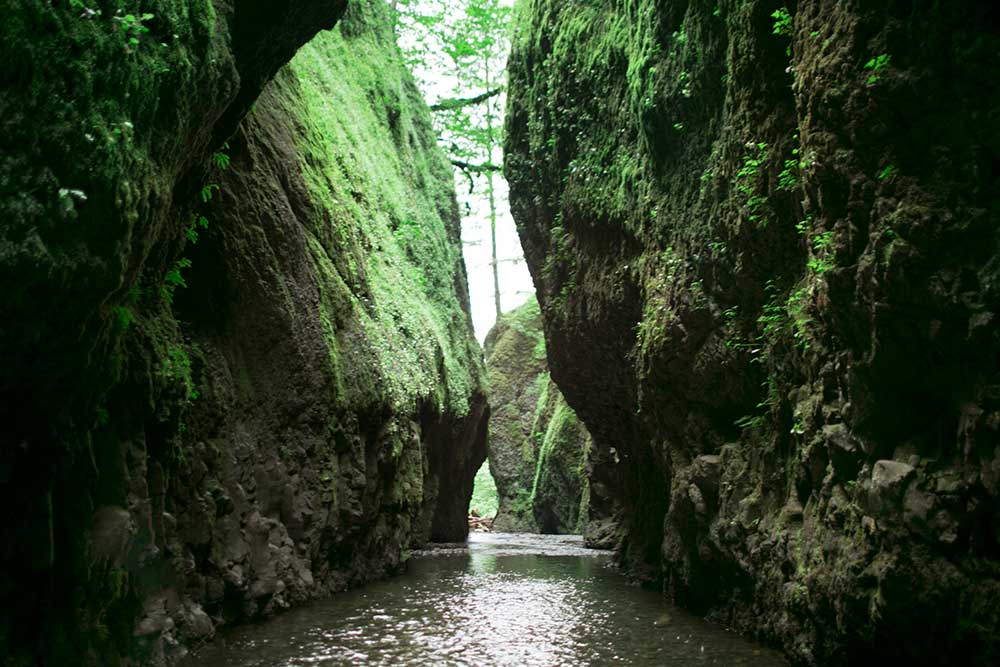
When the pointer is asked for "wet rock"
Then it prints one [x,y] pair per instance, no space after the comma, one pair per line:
[156,618]
[917,507]
[888,482]
[112,534]
[296,410]
[733,253]
[944,527]
[706,471]
[193,623]
[537,446]
[889,477]
[697,500]
[844,450]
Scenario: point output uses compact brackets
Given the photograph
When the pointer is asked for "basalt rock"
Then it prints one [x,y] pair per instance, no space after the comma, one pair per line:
[239,370]
[537,446]
[765,244]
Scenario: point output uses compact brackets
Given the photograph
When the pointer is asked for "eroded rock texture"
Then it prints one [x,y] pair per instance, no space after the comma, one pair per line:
[240,370]
[765,244]
[537,446]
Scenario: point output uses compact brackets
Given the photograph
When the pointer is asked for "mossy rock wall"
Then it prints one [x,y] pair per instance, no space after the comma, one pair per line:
[765,244]
[243,372]
[537,446]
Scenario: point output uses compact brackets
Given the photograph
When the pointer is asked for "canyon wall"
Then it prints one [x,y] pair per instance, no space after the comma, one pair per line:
[537,446]
[765,243]
[240,366]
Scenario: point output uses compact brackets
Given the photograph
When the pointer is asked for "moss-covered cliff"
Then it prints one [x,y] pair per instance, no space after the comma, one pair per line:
[537,446]
[765,243]
[241,370]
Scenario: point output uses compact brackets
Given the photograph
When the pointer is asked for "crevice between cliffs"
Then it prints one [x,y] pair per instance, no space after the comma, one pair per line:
[240,370]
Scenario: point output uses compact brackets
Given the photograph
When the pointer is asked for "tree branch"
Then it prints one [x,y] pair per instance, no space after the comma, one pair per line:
[476,168]
[451,103]
[469,169]
[472,182]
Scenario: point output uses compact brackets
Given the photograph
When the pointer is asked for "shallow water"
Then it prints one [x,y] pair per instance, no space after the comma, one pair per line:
[517,600]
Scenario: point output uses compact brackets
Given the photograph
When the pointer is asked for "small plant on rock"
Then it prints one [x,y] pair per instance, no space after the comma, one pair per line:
[820,262]
[782,21]
[206,192]
[132,26]
[877,65]
[174,279]
[748,178]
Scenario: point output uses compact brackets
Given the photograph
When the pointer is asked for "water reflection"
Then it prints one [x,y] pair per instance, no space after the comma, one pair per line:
[505,601]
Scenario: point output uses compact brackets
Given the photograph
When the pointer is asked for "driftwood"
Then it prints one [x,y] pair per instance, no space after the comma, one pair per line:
[480,524]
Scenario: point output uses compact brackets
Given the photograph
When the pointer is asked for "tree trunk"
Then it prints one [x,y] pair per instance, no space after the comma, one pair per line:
[491,194]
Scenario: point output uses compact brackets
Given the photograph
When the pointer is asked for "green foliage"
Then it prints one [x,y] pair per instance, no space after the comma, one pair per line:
[123,317]
[877,65]
[408,230]
[197,222]
[788,178]
[175,367]
[484,493]
[132,26]
[796,306]
[221,159]
[802,226]
[206,191]
[174,279]
[771,321]
[748,174]
[782,22]
[820,262]
[748,422]
[85,11]
[466,43]
[174,276]
[886,172]
[748,180]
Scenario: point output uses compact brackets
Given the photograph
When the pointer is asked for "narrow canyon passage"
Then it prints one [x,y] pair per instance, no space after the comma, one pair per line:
[513,600]
[694,303]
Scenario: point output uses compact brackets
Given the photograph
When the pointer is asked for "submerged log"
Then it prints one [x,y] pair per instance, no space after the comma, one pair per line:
[480,524]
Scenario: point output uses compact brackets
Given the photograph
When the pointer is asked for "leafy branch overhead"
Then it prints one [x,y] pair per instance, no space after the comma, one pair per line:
[474,169]
[465,43]
[477,168]
[452,103]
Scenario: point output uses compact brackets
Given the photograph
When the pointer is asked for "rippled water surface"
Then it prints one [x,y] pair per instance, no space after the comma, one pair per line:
[513,600]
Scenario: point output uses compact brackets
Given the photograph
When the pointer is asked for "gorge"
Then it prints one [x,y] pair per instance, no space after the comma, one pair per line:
[240,373]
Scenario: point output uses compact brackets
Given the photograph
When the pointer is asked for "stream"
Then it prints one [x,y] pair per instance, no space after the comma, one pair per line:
[517,600]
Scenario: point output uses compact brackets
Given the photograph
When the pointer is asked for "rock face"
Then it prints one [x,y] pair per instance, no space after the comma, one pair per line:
[537,446]
[765,244]
[241,372]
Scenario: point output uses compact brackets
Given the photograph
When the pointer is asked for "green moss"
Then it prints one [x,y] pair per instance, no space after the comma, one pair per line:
[669,264]
[107,123]
[605,173]
[380,235]
[535,439]
[560,470]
